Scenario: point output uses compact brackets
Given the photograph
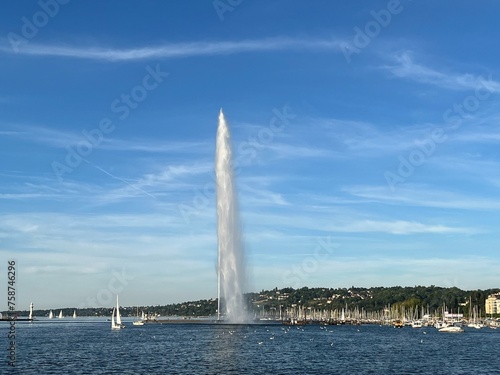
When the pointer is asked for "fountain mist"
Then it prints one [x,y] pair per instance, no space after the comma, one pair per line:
[231,257]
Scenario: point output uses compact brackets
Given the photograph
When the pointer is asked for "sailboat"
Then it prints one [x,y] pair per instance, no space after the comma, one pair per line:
[116,324]
[60,314]
[475,323]
[449,327]
[74,314]
[138,322]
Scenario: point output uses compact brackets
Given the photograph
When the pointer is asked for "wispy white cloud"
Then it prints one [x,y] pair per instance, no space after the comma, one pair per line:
[482,128]
[352,139]
[289,151]
[106,235]
[475,168]
[44,135]
[262,197]
[397,227]
[423,196]
[65,269]
[340,219]
[178,50]
[10,133]
[405,67]
[460,271]
[32,187]
[362,138]
[17,196]
[60,139]
[126,184]
[171,178]
[155,146]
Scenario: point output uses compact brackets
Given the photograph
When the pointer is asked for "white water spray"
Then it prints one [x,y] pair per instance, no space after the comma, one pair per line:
[231,270]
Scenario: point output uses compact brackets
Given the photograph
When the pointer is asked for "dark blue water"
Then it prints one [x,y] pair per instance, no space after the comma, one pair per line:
[90,347]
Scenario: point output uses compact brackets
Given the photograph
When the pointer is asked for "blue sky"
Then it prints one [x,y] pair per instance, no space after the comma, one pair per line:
[366,139]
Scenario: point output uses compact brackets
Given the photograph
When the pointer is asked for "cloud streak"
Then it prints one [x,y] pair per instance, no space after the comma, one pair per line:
[178,50]
[399,227]
[60,139]
[423,196]
[405,67]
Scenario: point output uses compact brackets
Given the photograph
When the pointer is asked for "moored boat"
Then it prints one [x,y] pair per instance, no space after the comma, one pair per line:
[416,324]
[398,323]
[451,329]
[138,322]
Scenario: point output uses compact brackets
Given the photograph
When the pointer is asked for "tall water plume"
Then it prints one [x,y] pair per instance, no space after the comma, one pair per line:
[231,256]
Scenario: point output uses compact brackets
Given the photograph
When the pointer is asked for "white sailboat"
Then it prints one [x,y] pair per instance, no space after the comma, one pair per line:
[113,323]
[475,321]
[74,314]
[116,324]
[51,314]
[138,322]
[60,314]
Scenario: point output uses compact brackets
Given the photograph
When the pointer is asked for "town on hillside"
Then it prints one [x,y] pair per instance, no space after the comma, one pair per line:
[355,305]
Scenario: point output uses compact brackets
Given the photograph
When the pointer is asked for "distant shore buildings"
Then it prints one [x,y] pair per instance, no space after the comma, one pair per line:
[493,304]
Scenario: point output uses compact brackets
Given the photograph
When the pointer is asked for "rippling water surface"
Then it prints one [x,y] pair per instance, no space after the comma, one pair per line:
[86,346]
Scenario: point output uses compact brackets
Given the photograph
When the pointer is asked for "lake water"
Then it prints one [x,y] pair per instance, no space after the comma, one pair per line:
[88,346]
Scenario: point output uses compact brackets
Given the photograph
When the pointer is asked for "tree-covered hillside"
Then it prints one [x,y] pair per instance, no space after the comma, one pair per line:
[430,298]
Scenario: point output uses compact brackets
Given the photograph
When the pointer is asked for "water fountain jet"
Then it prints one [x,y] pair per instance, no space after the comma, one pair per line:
[231,270]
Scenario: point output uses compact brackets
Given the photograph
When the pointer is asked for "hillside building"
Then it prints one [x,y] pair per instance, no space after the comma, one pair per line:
[493,304]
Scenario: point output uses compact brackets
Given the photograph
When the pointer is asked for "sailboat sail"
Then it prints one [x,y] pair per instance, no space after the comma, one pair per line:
[118,318]
[116,321]
[51,314]
[60,314]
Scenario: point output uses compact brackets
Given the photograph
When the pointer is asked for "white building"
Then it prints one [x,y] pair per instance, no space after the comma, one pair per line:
[493,304]
[448,315]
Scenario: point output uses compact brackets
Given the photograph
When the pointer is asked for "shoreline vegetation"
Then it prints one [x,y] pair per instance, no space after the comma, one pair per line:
[370,303]
[355,301]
